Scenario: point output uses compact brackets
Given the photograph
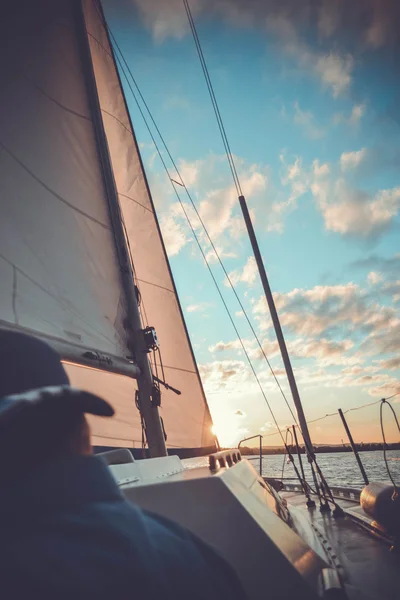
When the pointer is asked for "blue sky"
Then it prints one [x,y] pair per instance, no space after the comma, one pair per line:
[311,119]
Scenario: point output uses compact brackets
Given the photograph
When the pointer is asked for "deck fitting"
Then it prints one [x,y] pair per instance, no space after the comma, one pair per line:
[338,512]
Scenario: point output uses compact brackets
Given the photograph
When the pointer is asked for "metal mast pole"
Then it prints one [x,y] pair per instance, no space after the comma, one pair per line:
[353,447]
[154,430]
[278,329]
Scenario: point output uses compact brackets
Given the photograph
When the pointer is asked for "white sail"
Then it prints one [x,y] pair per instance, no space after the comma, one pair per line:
[58,267]
[186,417]
[59,270]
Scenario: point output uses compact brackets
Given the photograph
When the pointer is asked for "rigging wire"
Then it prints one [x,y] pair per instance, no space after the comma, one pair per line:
[383,402]
[121,66]
[213,99]
[181,183]
[284,456]
[344,412]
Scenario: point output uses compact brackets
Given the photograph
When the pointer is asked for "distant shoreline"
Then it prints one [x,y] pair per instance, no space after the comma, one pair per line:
[246,451]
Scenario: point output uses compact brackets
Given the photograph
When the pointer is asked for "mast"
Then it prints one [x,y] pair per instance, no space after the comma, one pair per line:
[278,328]
[149,410]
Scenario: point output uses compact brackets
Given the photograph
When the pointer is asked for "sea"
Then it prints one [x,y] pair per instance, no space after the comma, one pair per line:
[339,468]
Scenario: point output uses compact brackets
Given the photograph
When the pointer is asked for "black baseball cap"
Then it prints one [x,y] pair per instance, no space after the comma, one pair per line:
[27,363]
[32,378]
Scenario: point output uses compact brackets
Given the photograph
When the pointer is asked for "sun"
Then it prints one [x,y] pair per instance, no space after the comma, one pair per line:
[227,431]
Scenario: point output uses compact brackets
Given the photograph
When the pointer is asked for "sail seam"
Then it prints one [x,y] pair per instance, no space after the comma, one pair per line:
[156,285]
[52,192]
[116,118]
[137,202]
[180,369]
[70,110]
[57,300]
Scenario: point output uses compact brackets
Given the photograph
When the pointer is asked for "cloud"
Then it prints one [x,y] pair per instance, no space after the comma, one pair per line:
[351,160]
[389,266]
[166,19]
[174,234]
[328,352]
[374,277]
[320,170]
[225,375]
[353,119]
[239,413]
[247,275]
[357,112]
[224,346]
[294,177]
[353,212]
[335,72]
[217,207]
[201,307]
[391,364]
[323,311]
[390,387]
[190,171]
[217,204]
[306,120]
[269,347]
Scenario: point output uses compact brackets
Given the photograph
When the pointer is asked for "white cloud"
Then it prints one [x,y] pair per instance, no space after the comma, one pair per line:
[335,72]
[320,170]
[328,352]
[374,277]
[174,236]
[216,209]
[190,171]
[166,19]
[392,364]
[357,112]
[333,69]
[197,307]
[224,346]
[356,213]
[217,204]
[306,120]
[352,160]
[295,178]
[247,275]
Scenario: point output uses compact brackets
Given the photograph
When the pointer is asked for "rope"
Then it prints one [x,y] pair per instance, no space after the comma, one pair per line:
[383,402]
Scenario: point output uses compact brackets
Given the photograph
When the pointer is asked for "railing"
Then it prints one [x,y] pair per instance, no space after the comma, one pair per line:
[351,494]
[253,437]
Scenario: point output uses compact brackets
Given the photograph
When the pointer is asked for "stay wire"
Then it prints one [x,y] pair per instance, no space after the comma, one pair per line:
[193,231]
[182,184]
[383,402]
[202,251]
[213,98]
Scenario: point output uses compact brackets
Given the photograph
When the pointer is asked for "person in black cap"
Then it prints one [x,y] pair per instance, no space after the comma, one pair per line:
[67,532]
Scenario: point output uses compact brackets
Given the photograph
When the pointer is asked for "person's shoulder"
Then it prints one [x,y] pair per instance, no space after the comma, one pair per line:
[192,562]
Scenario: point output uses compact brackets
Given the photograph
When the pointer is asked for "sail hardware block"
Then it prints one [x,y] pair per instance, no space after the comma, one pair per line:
[150,339]
[155,395]
[101,358]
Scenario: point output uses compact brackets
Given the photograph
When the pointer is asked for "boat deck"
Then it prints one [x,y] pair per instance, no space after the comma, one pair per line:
[367,566]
